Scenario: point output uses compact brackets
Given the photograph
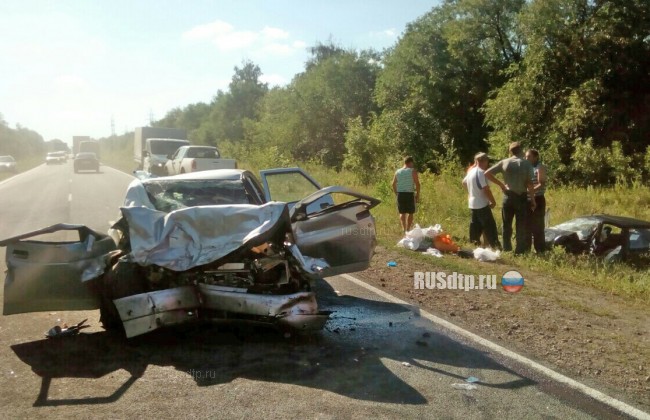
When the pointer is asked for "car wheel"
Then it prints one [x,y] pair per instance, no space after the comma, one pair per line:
[123,279]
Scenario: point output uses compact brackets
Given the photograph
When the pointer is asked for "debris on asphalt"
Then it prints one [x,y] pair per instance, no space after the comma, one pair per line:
[472,379]
[466,387]
[407,364]
[392,264]
[65,331]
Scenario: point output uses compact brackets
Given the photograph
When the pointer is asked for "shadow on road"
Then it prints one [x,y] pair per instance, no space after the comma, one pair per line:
[357,356]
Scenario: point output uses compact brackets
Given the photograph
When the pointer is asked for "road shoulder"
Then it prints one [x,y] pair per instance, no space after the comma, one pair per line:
[597,339]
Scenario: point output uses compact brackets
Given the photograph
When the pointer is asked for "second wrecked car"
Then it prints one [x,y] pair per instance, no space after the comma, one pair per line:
[203,246]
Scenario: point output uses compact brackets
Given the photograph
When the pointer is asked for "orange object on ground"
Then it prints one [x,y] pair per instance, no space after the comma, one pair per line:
[444,243]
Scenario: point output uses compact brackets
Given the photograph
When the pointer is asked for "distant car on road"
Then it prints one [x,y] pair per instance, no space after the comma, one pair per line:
[7,164]
[612,237]
[86,161]
[56,158]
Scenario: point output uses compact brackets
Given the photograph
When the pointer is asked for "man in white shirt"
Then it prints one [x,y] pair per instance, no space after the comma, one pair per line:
[481,202]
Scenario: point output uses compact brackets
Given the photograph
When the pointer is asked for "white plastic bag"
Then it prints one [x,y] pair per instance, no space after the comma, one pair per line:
[432,231]
[486,254]
[412,239]
[415,233]
[410,243]
[434,252]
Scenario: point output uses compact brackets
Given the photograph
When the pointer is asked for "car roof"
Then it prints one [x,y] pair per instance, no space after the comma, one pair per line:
[622,221]
[214,174]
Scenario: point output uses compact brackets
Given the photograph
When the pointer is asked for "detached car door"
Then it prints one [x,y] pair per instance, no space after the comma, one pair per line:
[53,275]
[332,223]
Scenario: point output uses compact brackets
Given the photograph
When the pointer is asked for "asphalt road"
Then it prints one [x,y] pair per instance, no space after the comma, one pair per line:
[375,358]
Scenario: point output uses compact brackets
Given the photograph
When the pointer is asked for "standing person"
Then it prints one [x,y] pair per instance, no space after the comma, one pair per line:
[517,175]
[406,185]
[536,216]
[481,202]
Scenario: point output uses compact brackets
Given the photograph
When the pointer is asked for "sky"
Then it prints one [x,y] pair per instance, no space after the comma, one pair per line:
[91,67]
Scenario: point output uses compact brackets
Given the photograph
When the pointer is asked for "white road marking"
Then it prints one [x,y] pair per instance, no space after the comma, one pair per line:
[70,198]
[595,394]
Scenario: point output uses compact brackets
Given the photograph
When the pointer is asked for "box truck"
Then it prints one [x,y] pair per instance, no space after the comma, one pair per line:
[152,146]
[76,143]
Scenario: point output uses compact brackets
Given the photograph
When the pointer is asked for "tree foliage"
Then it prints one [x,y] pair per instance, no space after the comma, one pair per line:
[438,76]
[20,142]
[310,115]
[583,83]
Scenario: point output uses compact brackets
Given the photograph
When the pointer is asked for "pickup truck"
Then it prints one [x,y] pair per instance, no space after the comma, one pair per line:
[197,158]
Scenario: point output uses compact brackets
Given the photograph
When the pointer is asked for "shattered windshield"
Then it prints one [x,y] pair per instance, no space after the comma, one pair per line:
[173,195]
[583,226]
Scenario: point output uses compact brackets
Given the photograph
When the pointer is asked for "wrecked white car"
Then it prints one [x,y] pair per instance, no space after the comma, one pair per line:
[210,245]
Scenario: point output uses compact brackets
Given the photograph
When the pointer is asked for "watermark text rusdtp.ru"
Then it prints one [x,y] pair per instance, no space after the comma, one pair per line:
[453,281]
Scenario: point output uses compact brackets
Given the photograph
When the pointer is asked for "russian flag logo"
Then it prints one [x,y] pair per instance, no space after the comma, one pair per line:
[512,281]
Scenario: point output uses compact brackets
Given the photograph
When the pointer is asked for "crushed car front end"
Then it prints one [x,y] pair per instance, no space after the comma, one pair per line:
[173,258]
[209,263]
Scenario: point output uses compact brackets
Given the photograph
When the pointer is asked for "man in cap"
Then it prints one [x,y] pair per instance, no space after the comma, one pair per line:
[481,202]
[517,175]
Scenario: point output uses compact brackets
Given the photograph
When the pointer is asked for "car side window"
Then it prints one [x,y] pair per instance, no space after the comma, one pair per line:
[289,187]
[639,239]
[253,188]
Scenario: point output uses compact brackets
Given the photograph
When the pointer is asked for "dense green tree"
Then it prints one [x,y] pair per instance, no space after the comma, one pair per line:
[583,84]
[309,116]
[20,142]
[190,118]
[242,101]
[439,74]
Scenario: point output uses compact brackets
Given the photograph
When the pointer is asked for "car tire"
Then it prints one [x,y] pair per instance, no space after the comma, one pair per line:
[122,279]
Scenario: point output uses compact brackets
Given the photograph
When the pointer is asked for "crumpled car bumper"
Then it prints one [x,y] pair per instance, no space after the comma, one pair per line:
[145,312]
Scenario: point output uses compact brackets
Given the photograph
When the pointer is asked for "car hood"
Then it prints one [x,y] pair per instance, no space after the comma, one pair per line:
[193,236]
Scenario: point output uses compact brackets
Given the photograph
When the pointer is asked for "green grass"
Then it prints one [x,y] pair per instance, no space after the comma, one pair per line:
[444,201]
[120,159]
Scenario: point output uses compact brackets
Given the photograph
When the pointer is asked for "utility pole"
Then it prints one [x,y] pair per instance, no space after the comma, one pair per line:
[112,126]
